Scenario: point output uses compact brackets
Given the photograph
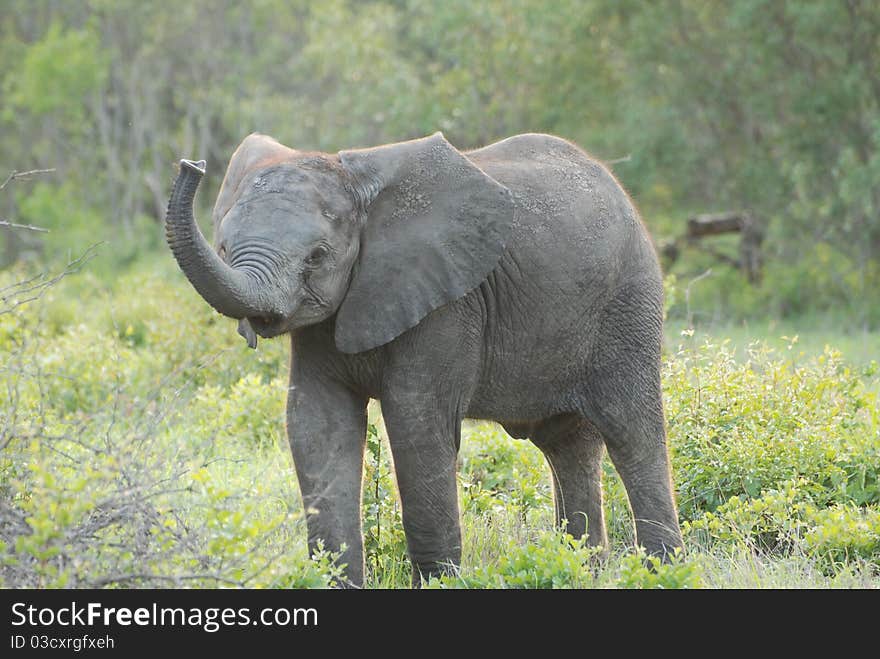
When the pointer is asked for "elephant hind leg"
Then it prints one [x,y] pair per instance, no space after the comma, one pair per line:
[624,401]
[574,449]
[643,465]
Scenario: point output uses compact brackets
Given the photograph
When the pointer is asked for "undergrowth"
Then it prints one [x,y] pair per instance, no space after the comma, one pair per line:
[142,444]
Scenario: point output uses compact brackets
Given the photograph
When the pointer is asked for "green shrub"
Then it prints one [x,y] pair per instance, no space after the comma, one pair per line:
[745,428]
[126,461]
[843,533]
[500,472]
[771,522]
[249,410]
[550,560]
[640,571]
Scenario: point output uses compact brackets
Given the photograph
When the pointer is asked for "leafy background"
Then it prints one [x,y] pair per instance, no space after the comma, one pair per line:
[141,444]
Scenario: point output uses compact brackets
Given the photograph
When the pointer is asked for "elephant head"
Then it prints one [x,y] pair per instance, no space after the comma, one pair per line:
[379,237]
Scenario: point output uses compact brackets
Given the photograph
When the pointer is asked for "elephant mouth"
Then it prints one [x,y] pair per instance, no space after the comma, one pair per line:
[268,326]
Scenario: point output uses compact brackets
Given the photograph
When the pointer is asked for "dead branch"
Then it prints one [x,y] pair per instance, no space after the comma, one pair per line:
[29,227]
[714,224]
[35,287]
[15,175]
[617,161]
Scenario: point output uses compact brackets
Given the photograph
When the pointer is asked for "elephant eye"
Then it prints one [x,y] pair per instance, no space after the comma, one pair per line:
[317,255]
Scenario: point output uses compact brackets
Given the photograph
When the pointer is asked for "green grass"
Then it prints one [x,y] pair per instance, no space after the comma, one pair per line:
[801,337]
[141,443]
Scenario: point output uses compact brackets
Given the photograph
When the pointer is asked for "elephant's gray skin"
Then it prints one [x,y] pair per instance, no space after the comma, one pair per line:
[514,283]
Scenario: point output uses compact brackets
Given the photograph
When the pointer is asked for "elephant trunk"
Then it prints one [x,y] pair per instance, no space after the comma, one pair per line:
[231,292]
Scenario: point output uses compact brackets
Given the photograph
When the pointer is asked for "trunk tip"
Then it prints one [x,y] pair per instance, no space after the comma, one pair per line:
[196,165]
[245,329]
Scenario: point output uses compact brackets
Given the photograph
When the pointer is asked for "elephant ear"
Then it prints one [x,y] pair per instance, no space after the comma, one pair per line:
[254,152]
[436,227]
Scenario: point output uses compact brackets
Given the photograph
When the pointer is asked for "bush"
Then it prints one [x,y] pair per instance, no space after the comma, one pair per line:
[640,571]
[498,472]
[125,461]
[843,533]
[747,428]
[549,560]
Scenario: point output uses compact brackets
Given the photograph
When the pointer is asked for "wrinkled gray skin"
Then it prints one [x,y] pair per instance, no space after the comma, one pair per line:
[514,283]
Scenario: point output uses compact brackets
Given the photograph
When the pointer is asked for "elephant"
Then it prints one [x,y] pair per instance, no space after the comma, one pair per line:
[515,282]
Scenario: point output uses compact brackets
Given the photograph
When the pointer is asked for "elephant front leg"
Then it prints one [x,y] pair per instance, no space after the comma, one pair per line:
[326,425]
[425,451]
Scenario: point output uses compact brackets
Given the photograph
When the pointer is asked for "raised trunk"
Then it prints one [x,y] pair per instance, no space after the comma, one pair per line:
[231,292]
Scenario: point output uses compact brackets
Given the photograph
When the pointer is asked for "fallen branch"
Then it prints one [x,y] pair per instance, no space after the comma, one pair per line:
[710,225]
[751,232]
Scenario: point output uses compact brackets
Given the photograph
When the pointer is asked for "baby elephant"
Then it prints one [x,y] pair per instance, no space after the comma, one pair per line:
[515,283]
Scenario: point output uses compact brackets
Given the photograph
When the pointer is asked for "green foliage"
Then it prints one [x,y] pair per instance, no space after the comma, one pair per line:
[97,506]
[844,533]
[768,107]
[670,293]
[63,65]
[749,105]
[770,522]
[640,571]
[127,461]
[141,443]
[787,521]
[550,560]
[823,278]
[776,454]
[499,474]
[384,540]
[248,409]
[59,208]
[746,428]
